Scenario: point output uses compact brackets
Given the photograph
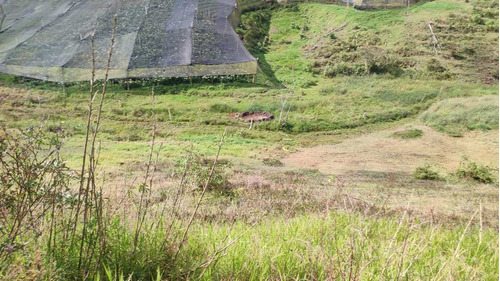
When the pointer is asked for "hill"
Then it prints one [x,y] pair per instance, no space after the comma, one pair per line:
[381,162]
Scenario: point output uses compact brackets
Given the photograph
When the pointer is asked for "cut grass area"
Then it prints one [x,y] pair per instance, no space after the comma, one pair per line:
[397,42]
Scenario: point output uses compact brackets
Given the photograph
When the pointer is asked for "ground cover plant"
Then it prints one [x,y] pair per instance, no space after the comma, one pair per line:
[173,188]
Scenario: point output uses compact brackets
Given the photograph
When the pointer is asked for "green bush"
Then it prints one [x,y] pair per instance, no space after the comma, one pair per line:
[254,29]
[342,68]
[426,172]
[272,162]
[433,65]
[470,170]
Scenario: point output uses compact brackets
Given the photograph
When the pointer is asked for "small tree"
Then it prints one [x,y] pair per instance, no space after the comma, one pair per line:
[33,181]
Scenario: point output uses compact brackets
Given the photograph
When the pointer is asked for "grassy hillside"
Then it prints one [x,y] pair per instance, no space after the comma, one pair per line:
[363,95]
[332,40]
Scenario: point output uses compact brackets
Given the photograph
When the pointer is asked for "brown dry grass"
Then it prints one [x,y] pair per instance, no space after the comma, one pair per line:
[381,153]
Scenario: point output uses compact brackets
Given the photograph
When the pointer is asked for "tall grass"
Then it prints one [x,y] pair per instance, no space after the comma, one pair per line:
[458,115]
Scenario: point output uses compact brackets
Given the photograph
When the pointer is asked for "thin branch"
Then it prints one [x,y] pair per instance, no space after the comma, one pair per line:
[140,212]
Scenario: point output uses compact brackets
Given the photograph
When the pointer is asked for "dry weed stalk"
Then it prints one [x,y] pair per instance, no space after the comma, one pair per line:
[93,160]
[205,187]
[180,192]
[87,134]
[143,206]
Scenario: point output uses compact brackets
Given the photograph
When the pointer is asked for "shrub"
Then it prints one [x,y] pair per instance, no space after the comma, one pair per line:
[433,65]
[200,170]
[33,181]
[426,172]
[254,29]
[272,162]
[344,69]
[470,170]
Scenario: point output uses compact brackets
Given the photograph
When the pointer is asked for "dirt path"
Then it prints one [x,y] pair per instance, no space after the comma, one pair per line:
[382,153]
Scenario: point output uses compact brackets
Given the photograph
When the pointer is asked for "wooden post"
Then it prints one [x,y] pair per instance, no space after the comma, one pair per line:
[253,79]
[434,39]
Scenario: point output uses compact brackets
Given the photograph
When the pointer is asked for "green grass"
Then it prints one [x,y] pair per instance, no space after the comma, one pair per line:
[408,134]
[456,116]
[341,245]
[335,245]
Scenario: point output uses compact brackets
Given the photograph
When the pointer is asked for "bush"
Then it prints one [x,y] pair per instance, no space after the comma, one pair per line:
[33,178]
[433,65]
[344,69]
[272,162]
[426,172]
[200,170]
[474,171]
[254,29]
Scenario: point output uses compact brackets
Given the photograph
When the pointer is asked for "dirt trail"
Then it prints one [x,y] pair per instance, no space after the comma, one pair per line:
[382,153]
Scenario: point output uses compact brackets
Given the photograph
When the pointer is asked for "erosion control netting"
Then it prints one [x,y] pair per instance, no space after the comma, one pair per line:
[50,39]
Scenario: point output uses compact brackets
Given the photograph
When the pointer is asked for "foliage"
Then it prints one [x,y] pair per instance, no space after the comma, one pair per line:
[470,170]
[254,29]
[33,181]
[354,42]
[426,172]
[342,238]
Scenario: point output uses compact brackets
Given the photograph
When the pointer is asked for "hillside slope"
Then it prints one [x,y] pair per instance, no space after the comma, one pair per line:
[381,162]
[445,40]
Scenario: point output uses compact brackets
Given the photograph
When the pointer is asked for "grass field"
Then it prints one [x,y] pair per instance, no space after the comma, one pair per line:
[385,165]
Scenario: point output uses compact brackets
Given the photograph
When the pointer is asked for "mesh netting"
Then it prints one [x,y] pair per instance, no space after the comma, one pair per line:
[50,39]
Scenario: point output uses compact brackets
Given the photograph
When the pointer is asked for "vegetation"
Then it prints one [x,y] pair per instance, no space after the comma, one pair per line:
[470,170]
[408,134]
[172,188]
[456,116]
[308,243]
[426,172]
